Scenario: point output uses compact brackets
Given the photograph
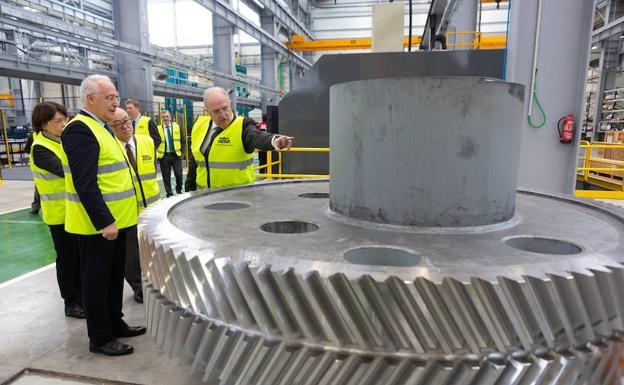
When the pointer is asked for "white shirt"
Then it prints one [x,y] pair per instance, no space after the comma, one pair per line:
[132,147]
[91,114]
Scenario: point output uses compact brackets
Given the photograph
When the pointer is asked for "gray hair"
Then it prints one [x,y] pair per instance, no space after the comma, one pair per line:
[89,85]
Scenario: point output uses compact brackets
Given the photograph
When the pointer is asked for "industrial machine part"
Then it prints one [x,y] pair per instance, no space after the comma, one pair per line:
[302,283]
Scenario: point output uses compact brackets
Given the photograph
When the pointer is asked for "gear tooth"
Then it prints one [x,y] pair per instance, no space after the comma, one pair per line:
[164,315]
[158,303]
[389,322]
[322,365]
[298,357]
[234,294]
[449,336]
[329,303]
[254,298]
[211,336]
[356,315]
[592,302]
[494,314]
[573,313]
[214,279]
[226,346]
[292,305]
[346,370]
[553,326]
[258,357]
[278,317]
[192,342]
[308,308]
[465,314]
[207,299]
[272,365]
[613,283]
[401,373]
[437,372]
[181,334]
[375,372]
[409,305]
[173,319]
[175,260]
[520,313]
[190,286]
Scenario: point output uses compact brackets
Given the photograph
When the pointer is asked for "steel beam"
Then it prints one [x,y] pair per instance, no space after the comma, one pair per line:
[612,28]
[224,10]
[49,26]
[288,20]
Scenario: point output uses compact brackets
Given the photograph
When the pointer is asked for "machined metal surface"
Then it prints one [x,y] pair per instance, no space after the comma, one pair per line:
[304,110]
[241,305]
[425,151]
[418,263]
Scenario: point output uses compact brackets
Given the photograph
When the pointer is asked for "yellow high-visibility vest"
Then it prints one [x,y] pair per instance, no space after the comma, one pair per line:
[228,162]
[146,185]
[114,179]
[142,126]
[198,135]
[51,187]
[177,140]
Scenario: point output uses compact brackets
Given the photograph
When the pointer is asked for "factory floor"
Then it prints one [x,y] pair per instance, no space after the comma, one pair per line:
[38,344]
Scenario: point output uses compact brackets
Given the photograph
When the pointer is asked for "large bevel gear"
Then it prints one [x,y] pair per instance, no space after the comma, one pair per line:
[538,299]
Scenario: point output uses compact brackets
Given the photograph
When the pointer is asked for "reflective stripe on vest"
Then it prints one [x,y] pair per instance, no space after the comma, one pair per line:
[231,165]
[153,199]
[110,197]
[52,197]
[114,181]
[46,176]
[51,187]
[104,169]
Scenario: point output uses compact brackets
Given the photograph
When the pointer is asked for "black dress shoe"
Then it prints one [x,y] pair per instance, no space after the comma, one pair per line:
[74,311]
[112,348]
[130,331]
[138,296]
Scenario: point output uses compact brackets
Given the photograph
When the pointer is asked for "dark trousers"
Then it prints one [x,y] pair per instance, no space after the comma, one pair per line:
[168,161]
[36,203]
[133,264]
[67,264]
[102,265]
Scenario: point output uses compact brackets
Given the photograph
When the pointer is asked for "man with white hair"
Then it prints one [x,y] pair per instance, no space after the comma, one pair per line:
[223,144]
[101,208]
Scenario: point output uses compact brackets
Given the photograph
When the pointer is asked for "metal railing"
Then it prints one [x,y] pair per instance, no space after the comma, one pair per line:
[268,166]
[601,171]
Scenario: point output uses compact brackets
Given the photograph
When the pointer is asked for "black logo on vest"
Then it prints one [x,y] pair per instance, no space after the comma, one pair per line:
[223,140]
[147,158]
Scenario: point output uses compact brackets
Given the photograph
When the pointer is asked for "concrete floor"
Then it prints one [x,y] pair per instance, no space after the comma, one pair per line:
[35,333]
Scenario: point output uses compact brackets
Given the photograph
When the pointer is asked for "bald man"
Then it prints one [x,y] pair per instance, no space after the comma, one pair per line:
[222,143]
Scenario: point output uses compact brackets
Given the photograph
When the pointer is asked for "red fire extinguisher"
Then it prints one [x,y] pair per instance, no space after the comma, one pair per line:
[565,126]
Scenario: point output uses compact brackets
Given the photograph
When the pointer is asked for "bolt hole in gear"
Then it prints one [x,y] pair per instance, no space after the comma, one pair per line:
[315,195]
[227,206]
[543,245]
[289,227]
[426,265]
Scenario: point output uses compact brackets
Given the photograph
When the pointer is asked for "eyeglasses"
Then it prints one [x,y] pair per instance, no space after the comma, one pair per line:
[120,123]
[220,110]
[109,98]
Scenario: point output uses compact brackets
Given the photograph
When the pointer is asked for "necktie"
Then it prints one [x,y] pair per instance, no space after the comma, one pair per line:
[131,157]
[133,125]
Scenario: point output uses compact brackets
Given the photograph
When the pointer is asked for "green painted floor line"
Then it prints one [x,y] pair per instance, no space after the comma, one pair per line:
[25,244]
